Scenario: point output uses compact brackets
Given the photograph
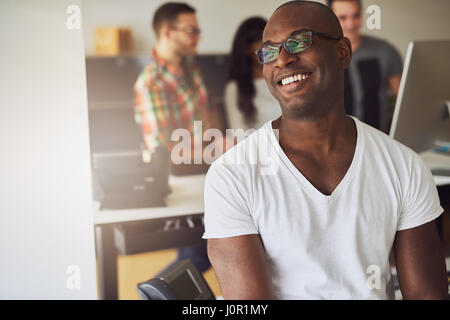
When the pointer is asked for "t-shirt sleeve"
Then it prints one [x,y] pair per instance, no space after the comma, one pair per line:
[394,63]
[421,201]
[227,207]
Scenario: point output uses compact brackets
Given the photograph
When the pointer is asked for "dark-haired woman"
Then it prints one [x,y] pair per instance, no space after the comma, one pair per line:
[248,101]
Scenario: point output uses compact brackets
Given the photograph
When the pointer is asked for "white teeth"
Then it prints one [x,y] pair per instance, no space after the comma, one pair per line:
[297,77]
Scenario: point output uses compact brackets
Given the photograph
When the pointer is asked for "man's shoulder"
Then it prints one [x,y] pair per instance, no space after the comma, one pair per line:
[376,139]
[148,77]
[377,45]
[375,41]
[192,63]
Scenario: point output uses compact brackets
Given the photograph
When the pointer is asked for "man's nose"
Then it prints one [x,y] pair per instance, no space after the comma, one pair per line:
[285,58]
[352,23]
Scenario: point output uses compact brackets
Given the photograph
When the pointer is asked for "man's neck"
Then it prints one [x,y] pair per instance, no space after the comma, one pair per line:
[356,42]
[320,136]
[166,53]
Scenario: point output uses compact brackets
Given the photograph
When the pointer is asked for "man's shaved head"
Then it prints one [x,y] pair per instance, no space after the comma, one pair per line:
[326,17]
[323,62]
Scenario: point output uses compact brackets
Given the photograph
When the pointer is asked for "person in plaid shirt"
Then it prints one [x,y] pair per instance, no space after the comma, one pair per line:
[169,97]
[171,94]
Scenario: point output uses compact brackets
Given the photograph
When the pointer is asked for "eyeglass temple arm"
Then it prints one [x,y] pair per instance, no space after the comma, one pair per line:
[326,35]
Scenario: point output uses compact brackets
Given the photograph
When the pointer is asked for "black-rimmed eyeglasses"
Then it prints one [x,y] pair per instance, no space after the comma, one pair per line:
[297,42]
[192,31]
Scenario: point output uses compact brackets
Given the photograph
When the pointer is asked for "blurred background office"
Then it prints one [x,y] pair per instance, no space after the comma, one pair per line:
[227,28]
[53,191]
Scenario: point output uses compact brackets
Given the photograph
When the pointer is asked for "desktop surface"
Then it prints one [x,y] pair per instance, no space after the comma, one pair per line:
[186,199]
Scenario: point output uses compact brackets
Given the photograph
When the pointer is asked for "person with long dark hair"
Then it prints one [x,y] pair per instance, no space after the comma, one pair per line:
[248,101]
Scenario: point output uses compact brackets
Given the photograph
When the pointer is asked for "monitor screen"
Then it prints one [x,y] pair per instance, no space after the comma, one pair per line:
[421,116]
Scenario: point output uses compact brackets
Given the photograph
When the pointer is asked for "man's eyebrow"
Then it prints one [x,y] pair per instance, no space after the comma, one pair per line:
[291,34]
[267,42]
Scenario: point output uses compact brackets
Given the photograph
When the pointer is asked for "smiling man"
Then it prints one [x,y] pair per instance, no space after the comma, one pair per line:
[344,194]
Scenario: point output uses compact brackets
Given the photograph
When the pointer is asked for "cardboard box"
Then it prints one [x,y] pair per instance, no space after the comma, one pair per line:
[113,41]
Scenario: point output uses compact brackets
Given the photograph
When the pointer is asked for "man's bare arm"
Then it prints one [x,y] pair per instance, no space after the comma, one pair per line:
[420,263]
[394,84]
[241,267]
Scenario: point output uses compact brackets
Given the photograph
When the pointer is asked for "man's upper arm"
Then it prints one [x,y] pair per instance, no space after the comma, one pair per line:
[420,263]
[234,245]
[394,84]
[148,104]
[418,250]
[394,68]
[241,267]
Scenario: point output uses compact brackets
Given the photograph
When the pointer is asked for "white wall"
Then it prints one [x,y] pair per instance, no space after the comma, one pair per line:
[46,222]
[405,20]
[401,20]
[218,20]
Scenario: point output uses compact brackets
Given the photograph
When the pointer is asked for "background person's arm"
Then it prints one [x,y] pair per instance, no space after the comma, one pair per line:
[241,267]
[420,263]
[394,84]
[394,68]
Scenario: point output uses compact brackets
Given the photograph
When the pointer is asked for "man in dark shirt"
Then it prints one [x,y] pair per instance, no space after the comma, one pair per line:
[374,72]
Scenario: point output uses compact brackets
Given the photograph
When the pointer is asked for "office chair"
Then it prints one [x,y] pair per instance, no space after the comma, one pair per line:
[182,281]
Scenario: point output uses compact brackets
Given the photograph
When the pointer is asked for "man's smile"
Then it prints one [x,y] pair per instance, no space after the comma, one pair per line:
[293,82]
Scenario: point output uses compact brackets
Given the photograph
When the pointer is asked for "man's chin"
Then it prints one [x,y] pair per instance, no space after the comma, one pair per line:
[298,107]
[190,53]
[353,36]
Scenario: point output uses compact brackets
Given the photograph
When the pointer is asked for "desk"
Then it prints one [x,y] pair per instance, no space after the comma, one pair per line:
[184,209]
[435,160]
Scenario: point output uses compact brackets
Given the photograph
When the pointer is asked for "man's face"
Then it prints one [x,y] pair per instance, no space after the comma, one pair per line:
[184,35]
[313,96]
[349,15]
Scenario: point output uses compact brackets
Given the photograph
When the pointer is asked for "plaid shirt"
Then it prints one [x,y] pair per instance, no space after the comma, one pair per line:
[168,98]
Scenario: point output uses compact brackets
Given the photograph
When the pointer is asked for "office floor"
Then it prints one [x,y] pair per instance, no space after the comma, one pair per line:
[137,268]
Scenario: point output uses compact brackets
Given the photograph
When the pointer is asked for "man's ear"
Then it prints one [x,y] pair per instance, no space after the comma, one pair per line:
[344,51]
[164,32]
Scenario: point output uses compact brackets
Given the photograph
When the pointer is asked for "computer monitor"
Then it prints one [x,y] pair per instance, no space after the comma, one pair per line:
[110,94]
[421,115]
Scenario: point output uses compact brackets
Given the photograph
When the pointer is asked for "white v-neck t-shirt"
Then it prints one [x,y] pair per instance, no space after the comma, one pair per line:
[321,246]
